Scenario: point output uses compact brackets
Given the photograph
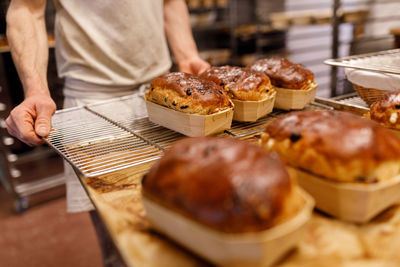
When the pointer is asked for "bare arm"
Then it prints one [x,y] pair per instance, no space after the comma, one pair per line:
[26,34]
[180,38]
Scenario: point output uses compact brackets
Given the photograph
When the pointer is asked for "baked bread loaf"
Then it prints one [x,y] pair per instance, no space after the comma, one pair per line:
[337,145]
[188,93]
[386,110]
[240,83]
[284,73]
[226,184]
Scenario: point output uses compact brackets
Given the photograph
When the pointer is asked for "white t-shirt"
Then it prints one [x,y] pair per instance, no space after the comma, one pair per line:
[109,45]
[105,49]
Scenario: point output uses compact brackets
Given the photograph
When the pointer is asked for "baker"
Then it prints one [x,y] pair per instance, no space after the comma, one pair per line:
[104,49]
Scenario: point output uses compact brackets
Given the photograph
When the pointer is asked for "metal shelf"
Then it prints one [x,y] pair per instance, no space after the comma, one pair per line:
[383,61]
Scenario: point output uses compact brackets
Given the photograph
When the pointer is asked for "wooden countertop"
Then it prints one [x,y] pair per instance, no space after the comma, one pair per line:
[328,242]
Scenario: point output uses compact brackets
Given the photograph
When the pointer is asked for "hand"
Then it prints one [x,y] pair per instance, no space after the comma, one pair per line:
[194,66]
[31,119]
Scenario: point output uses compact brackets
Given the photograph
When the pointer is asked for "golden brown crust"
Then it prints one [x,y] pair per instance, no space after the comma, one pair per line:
[337,145]
[229,185]
[188,93]
[284,73]
[386,110]
[240,83]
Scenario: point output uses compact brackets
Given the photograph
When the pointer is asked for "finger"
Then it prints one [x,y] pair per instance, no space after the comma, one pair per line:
[186,69]
[31,138]
[11,128]
[13,131]
[43,119]
[203,68]
[21,126]
[200,67]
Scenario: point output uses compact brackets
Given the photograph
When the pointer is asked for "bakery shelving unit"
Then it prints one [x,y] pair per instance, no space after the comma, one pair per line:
[243,31]
[307,32]
[210,21]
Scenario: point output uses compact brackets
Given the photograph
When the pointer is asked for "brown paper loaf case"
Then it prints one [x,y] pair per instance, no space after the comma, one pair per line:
[227,185]
[336,145]
[188,93]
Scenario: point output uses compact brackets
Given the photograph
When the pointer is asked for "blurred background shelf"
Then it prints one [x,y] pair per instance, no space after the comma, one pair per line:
[305,31]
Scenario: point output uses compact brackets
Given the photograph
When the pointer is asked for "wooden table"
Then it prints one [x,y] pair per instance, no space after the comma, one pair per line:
[327,242]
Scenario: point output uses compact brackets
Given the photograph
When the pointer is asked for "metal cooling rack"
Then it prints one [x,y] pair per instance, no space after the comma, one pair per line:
[95,146]
[134,120]
[385,61]
[104,137]
[352,99]
[243,129]
[349,102]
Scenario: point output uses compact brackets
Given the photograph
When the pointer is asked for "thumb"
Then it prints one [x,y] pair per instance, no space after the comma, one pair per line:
[43,120]
[201,66]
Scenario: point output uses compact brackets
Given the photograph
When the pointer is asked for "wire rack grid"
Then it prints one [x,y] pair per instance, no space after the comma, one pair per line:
[116,134]
[95,146]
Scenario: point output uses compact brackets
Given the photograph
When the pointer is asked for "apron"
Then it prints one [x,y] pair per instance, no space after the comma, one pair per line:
[77,198]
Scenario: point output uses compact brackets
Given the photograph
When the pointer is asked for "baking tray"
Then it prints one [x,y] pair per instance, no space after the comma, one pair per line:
[371,61]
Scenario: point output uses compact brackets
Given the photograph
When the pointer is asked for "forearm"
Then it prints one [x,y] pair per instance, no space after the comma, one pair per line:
[27,37]
[178,30]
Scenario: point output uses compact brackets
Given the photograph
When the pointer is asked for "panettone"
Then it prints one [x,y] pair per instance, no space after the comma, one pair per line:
[386,110]
[336,145]
[188,93]
[226,184]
